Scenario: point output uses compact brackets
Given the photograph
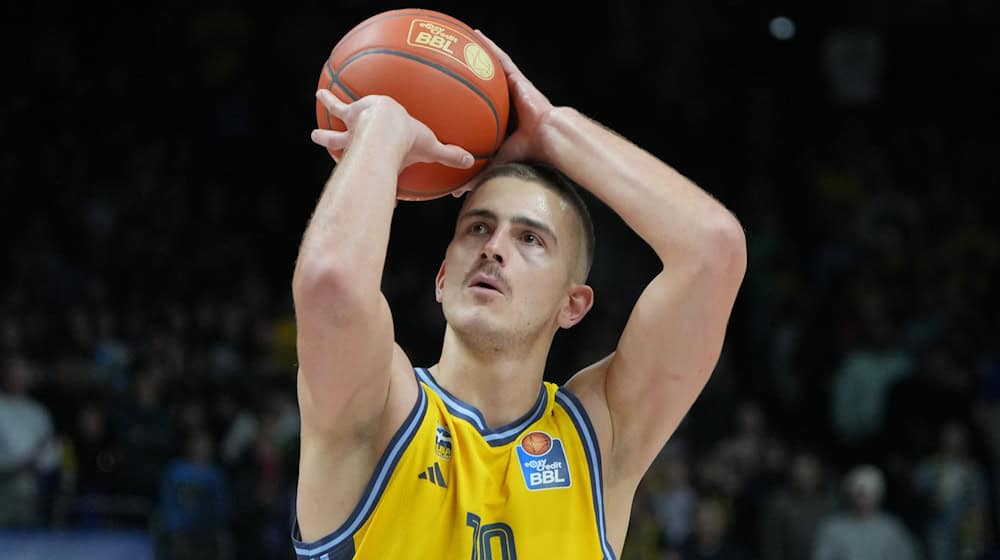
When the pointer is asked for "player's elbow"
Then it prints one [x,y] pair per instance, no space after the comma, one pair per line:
[312,278]
[325,286]
[726,247]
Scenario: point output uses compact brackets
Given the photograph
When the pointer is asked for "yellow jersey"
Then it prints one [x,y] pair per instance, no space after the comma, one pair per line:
[448,486]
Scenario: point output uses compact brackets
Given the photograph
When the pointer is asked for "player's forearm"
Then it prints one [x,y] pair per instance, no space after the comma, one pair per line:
[348,235]
[672,214]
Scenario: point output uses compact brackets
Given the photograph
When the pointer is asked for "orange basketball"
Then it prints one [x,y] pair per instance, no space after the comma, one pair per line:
[536,443]
[435,67]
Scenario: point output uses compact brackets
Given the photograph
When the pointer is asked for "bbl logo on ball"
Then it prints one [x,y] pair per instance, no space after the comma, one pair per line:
[454,44]
[542,461]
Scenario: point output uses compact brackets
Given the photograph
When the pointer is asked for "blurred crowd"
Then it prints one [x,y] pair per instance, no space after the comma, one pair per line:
[161,176]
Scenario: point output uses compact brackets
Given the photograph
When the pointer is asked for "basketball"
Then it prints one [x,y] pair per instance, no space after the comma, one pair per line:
[434,66]
[536,443]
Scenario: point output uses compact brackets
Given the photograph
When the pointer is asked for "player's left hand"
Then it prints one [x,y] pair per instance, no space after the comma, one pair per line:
[531,108]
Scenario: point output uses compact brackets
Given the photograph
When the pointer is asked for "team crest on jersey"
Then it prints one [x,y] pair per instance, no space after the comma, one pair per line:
[442,443]
[543,461]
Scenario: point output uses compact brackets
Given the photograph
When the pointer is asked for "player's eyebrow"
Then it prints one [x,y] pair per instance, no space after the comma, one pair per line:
[521,220]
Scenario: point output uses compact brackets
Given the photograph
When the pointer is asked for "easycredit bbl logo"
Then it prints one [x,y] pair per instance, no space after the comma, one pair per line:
[452,43]
[543,462]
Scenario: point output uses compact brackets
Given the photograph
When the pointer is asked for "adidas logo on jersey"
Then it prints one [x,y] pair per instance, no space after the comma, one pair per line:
[433,475]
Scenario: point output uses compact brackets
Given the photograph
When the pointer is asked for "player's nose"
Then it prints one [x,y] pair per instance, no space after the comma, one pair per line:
[495,247]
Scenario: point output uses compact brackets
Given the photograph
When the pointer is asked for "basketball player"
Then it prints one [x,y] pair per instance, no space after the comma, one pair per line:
[476,456]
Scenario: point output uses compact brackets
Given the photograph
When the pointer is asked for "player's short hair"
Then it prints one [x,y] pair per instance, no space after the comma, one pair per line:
[556,181]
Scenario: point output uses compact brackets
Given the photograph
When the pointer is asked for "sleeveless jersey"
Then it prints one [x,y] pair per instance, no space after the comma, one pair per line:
[447,486]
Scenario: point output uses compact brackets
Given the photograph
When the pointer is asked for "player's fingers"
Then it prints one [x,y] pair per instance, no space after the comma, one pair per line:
[452,156]
[519,84]
[505,60]
[334,105]
[522,88]
[330,139]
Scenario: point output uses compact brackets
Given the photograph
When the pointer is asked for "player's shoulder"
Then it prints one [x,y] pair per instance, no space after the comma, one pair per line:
[404,392]
[587,387]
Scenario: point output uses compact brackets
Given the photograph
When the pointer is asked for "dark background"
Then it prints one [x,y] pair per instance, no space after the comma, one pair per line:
[156,176]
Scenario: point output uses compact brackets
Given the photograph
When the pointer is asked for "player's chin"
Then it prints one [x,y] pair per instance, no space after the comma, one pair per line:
[477,319]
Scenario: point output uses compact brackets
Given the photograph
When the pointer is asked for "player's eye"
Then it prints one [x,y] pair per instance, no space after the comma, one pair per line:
[531,238]
[478,228]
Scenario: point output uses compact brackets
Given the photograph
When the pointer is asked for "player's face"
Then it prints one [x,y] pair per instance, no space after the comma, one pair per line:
[508,270]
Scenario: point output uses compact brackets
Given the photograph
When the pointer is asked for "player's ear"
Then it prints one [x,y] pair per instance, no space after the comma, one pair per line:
[581,299]
[439,283]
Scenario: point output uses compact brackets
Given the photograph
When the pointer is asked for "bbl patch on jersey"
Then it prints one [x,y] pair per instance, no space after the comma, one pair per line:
[543,462]
[442,443]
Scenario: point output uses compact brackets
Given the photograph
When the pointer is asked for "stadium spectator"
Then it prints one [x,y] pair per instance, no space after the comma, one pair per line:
[29,453]
[864,531]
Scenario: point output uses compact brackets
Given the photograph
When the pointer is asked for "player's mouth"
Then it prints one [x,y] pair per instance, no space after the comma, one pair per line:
[485,283]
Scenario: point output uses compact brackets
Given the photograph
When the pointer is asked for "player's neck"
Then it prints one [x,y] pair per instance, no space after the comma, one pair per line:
[503,385]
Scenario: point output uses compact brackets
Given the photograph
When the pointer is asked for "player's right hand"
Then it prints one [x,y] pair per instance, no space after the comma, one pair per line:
[416,143]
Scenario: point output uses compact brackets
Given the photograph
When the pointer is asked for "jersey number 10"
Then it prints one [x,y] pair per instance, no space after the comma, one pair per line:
[482,548]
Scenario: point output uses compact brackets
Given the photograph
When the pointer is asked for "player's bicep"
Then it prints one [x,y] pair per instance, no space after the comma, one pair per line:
[345,354]
[667,351]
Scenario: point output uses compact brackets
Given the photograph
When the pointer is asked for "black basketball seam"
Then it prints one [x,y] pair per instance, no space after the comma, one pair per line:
[377,19]
[489,103]
[335,79]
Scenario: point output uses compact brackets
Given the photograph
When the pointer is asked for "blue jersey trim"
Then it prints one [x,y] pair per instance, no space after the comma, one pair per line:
[586,430]
[495,437]
[373,491]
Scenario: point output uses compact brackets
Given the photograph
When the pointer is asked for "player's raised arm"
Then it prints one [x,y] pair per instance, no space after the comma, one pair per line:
[673,337]
[672,341]
[345,333]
